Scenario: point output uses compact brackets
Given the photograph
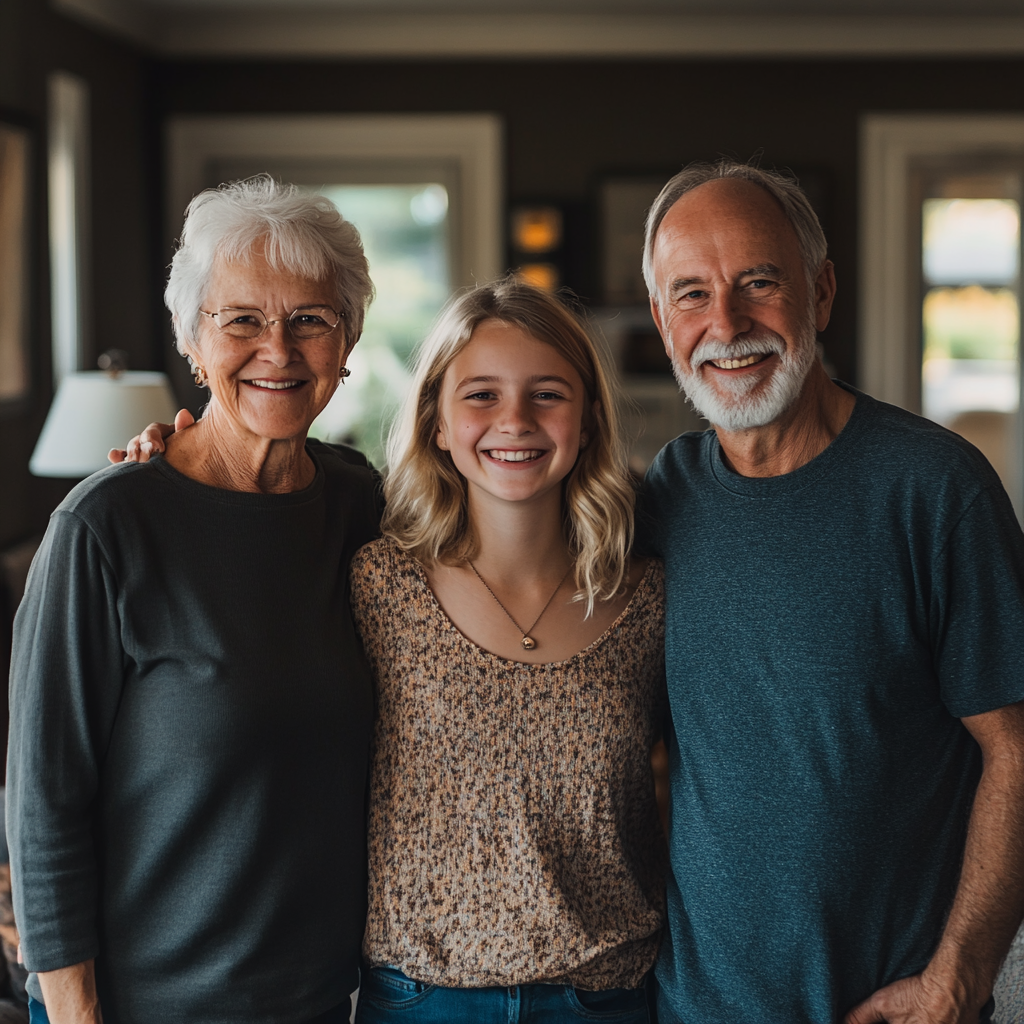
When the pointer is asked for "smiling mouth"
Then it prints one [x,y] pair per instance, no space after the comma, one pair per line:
[276,385]
[741,363]
[515,455]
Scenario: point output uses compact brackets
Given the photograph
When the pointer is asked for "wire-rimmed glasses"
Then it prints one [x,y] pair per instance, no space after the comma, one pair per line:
[302,322]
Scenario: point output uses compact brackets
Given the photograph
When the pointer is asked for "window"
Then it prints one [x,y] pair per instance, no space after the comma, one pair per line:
[405,235]
[69,221]
[939,277]
[970,312]
[14,380]
[425,193]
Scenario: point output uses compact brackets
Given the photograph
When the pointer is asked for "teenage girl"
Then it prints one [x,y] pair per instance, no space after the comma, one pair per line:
[515,852]
[516,869]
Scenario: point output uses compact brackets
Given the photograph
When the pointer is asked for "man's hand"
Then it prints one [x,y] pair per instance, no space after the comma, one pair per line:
[989,901]
[916,1000]
[69,994]
[151,440]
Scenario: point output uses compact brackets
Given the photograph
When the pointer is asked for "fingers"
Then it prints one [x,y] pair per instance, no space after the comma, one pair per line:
[182,420]
[151,440]
[867,1012]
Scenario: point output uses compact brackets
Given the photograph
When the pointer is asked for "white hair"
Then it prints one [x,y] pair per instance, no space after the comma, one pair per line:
[302,233]
[744,403]
[784,190]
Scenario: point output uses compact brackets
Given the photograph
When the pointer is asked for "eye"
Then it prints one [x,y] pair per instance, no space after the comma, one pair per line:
[243,320]
[307,320]
[761,283]
[481,396]
[547,396]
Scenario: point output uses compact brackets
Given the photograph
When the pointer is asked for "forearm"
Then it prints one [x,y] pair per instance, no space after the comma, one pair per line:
[70,994]
[989,902]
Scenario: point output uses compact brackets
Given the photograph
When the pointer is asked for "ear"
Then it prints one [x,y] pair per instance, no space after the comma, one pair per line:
[441,438]
[824,295]
[656,316]
[192,353]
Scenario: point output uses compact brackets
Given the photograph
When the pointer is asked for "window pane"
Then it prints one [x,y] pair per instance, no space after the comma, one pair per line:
[971,321]
[405,234]
[971,241]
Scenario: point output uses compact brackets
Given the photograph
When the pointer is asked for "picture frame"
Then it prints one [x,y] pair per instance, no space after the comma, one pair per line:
[15,213]
[624,202]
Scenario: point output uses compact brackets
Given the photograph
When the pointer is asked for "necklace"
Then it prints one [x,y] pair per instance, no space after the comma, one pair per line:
[527,642]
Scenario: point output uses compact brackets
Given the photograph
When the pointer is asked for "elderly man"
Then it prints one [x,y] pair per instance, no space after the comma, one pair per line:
[845,586]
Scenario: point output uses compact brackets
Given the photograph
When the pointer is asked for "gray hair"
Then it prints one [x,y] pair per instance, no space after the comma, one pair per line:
[303,233]
[783,189]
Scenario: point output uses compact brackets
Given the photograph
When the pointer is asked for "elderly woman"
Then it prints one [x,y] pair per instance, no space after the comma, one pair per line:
[190,709]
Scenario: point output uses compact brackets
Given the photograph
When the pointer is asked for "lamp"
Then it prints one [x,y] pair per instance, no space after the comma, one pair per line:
[94,412]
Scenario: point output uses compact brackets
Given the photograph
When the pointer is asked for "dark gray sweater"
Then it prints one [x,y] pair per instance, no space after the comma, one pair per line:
[190,718]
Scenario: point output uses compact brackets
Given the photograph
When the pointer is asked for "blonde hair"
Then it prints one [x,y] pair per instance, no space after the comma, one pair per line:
[427,497]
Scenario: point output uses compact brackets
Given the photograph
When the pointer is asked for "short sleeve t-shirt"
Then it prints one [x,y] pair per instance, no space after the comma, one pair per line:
[826,630]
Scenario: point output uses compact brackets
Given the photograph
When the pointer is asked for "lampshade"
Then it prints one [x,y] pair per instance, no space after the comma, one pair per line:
[94,412]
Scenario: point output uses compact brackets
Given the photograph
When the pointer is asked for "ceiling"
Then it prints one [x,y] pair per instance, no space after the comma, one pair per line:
[627,7]
[562,28]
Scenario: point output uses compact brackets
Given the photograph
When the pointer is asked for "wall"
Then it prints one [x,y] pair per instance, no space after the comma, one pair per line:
[124,160]
[570,122]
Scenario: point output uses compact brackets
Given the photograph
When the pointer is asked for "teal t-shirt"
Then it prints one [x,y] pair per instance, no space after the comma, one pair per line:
[826,630]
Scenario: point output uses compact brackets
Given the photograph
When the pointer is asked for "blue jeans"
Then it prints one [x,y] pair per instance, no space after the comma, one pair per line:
[387,996]
[339,1015]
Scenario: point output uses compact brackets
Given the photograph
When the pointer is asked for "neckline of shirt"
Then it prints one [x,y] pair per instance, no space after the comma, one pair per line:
[823,463]
[250,499]
[446,622]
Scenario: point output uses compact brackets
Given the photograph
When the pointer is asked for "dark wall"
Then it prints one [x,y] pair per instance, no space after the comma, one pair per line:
[570,122]
[33,42]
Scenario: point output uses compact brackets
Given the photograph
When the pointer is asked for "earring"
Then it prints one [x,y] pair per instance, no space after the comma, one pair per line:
[343,373]
[199,375]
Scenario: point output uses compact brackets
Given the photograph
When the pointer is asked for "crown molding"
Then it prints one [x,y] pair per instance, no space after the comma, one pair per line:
[125,18]
[321,34]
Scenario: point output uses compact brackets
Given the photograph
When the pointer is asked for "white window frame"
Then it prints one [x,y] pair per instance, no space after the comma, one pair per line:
[69,222]
[889,348]
[472,141]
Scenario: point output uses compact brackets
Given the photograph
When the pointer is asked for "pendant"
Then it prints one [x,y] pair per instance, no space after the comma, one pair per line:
[528,643]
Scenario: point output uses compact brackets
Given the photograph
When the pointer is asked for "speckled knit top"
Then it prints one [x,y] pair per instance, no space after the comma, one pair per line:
[513,835]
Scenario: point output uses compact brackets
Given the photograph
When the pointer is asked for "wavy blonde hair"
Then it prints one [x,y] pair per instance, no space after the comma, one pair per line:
[427,497]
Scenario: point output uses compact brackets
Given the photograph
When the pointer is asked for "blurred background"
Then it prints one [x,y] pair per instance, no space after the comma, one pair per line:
[466,138]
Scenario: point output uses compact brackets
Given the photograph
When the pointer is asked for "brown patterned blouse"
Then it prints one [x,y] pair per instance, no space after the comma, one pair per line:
[514,835]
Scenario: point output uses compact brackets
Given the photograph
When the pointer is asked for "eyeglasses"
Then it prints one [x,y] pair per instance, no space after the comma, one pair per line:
[304,322]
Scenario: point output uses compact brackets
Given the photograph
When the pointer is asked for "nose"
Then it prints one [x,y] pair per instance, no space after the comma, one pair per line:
[726,315]
[276,344]
[517,417]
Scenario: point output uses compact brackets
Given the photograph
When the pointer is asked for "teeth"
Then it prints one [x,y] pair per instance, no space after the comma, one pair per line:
[521,455]
[736,364]
[275,385]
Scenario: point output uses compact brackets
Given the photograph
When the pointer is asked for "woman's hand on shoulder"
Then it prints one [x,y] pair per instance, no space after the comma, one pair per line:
[151,440]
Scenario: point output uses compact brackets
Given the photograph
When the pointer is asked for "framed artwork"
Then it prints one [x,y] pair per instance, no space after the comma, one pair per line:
[14,262]
[624,206]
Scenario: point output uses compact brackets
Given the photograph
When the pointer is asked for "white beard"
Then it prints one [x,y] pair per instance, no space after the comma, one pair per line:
[750,401]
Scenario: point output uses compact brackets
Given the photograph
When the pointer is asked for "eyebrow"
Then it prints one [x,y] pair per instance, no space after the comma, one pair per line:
[761,270]
[550,378]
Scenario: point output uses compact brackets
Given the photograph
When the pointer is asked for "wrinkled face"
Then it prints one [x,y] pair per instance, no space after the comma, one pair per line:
[733,305]
[511,414]
[273,386]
